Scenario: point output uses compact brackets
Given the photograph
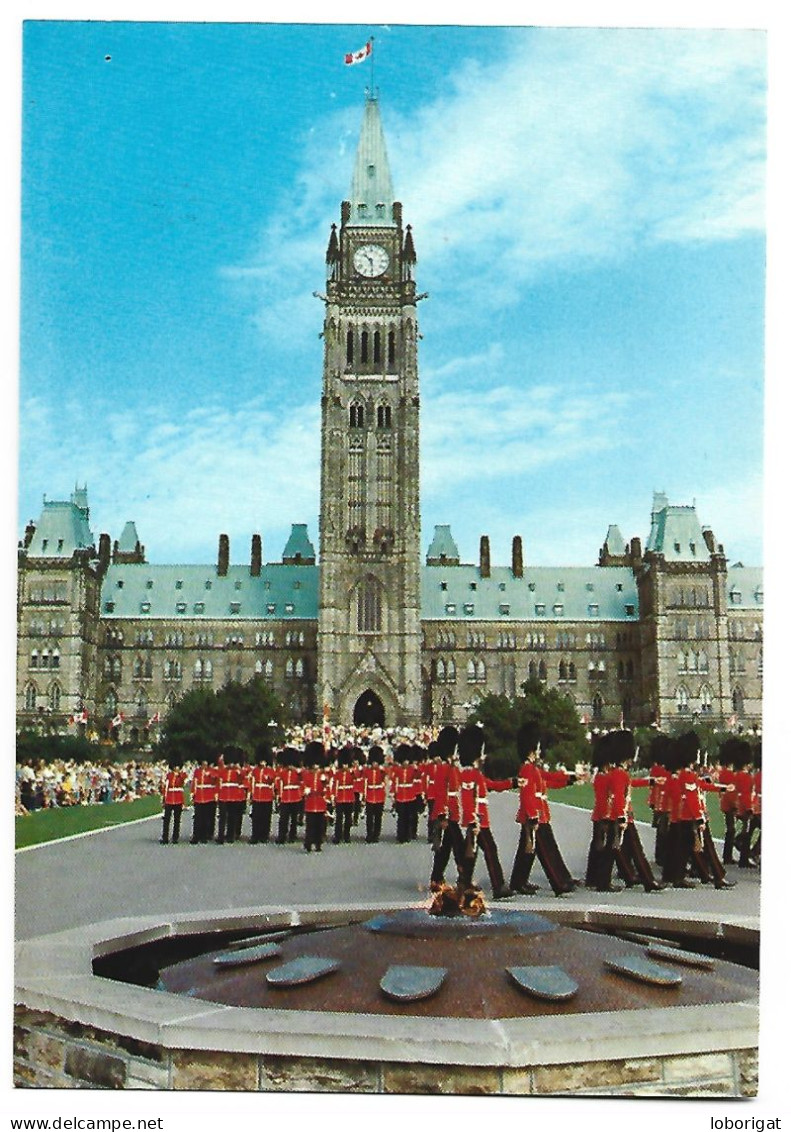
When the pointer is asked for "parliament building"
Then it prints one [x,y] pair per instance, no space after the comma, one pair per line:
[367,630]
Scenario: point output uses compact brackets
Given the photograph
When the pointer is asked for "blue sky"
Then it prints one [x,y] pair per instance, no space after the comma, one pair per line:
[587,207]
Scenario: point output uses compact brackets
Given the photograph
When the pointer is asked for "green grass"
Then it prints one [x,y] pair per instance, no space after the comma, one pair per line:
[51,825]
[581,794]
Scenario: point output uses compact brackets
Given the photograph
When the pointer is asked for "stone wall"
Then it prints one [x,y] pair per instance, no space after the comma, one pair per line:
[50,1052]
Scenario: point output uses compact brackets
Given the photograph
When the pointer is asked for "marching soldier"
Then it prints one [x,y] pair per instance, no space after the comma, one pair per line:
[744,785]
[403,787]
[685,843]
[601,835]
[626,847]
[536,836]
[448,837]
[475,811]
[172,790]
[728,801]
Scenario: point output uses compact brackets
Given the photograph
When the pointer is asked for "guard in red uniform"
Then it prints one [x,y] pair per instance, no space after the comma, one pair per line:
[172,790]
[658,799]
[475,811]
[374,787]
[204,802]
[601,833]
[289,785]
[536,836]
[315,792]
[431,788]
[625,847]
[343,796]
[261,786]
[402,784]
[687,815]
[744,785]
[448,837]
[725,776]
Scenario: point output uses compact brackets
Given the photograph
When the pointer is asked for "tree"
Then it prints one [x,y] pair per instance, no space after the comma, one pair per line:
[564,736]
[204,722]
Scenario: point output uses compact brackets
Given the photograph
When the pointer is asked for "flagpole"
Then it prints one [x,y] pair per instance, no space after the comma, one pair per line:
[373,88]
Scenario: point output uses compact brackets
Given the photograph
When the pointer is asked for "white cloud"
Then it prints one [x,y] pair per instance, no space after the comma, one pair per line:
[187,479]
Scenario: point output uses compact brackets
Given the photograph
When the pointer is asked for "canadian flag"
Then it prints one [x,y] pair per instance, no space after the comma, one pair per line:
[154,718]
[118,719]
[358,56]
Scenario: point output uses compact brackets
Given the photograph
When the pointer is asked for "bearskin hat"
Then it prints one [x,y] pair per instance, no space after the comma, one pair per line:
[314,753]
[660,749]
[621,746]
[376,755]
[447,742]
[471,741]
[685,750]
[527,738]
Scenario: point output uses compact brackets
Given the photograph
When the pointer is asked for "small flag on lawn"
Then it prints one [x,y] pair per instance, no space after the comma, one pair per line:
[358,56]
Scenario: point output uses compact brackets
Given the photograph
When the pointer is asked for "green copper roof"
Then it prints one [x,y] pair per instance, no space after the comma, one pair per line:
[372,186]
[615,543]
[443,546]
[145,591]
[545,593]
[128,541]
[676,532]
[745,587]
[62,528]
[299,545]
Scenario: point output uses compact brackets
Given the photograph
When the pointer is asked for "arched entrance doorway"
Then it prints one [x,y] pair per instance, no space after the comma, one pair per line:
[369,710]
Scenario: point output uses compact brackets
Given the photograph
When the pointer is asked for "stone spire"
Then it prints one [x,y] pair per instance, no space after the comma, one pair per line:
[371,195]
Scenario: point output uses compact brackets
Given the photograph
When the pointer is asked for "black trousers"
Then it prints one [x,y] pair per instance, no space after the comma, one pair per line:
[223,822]
[662,824]
[236,818]
[403,822]
[452,842]
[260,822]
[168,813]
[634,858]
[344,813]
[488,847]
[203,814]
[549,856]
[287,822]
[373,820]
[681,851]
[315,828]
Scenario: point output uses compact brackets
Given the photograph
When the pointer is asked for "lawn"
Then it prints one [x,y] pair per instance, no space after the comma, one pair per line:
[582,795]
[51,825]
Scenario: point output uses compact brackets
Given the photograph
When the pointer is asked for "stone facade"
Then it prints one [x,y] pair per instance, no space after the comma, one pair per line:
[656,635]
[50,1052]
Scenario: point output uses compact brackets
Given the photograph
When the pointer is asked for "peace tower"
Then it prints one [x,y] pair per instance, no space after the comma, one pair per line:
[369,527]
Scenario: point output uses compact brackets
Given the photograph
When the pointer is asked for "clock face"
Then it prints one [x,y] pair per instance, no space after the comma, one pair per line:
[371,260]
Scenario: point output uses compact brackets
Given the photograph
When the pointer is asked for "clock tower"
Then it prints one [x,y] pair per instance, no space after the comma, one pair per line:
[369,528]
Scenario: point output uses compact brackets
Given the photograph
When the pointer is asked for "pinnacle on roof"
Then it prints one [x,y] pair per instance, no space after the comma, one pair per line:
[615,543]
[371,194]
[299,548]
[128,542]
[443,549]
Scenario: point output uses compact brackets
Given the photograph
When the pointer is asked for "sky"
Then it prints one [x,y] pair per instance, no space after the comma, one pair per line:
[588,212]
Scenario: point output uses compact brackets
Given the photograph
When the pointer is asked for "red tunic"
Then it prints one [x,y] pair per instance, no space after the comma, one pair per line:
[343,785]
[173,788]
[601,795]
[374,784]
[262,783]
[290,785]
[315,788]
[204,785]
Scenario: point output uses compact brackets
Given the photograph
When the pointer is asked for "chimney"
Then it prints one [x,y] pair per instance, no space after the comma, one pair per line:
[708,538]
[223,556]
[255,557]
[30,530]
[104,552]
[517,564]
[636,550]
[486,566]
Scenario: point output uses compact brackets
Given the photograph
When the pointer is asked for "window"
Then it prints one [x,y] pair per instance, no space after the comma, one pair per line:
[179,584]
[450,608]
[181,607]
[505,609]
[593,610]
[540,609]
[30,697]
[237,605]
[391,348]
[469,608]
[120,583]
[682,700]
[109,607]
[199,607]
[145,606]
[271,607]
[150,584]
[629,610]
[350,350]
[356,415]
[369,607]
[289,607]
[557,610]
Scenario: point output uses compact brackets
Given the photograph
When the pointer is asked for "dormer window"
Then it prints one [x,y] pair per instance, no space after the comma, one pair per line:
[380,208]
[362,209]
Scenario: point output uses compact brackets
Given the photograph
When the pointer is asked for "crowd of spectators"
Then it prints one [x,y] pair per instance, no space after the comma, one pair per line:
[42,785]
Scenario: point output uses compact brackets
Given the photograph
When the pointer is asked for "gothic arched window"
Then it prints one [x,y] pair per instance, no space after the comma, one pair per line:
[391,348]
[369,607]
[377,347]
[364,347]
[349,346]
[356,415]
[30,697]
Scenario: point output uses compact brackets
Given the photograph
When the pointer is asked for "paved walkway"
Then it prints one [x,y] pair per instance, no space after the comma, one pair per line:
[125,871]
